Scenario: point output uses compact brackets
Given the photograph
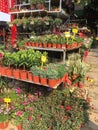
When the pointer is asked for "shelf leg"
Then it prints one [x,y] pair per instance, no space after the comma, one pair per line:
[64,55]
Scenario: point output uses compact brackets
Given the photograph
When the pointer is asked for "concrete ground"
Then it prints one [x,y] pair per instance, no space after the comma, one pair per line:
[92,89]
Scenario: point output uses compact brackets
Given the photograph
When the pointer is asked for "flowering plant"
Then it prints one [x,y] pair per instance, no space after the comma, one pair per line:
[21,108]
[1,57]
[4,113]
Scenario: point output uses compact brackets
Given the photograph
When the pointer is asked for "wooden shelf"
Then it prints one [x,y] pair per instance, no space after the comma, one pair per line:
[62,81]
[51,49]
[63,50]
[48,49]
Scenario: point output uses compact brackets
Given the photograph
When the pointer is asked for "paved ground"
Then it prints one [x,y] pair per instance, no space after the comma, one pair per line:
[92,89]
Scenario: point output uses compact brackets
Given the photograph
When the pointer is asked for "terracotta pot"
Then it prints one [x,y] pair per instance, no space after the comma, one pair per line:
[54,45]
[32,44]
[9,72]
[28,44]
[19,127]
[49,45]
[36,44]
[68,46]
[29,76]
[52,82]
[0,69]
[3,125]
[16,73]
[74,45]
[59,80]
[3,70]
[23,74]
[35,79]
[59,45]
[74,76]
[43,81]
[40,45]
[63,46]
[45,45]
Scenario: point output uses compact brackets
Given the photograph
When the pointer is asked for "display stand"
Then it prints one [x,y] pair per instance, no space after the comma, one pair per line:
[27,81]
[63,50]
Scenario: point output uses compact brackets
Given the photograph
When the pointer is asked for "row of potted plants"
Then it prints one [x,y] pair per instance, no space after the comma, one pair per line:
[25,64]
[51,41]
[34,5]
[19,66]
[47,76]
[32,23]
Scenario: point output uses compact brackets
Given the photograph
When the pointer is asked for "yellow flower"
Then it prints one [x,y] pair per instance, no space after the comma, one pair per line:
[87,64]
[7,100]
[96,38]
[72,89]
[74,30]
[91,80]
[43,59]
[72,37]
[67,34]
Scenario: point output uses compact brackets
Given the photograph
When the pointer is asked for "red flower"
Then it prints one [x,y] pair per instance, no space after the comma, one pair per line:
[75,84]
[68,108]
[62,107]
[81,85]
[30,118]
[19,113]
[31,109]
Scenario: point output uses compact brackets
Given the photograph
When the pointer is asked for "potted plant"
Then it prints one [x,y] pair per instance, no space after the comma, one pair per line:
[38,3]
[21,44]
[52,75]
[8,61]
[4,116]
[16,59]
[57,22]
[35,70]
[4,110]
[77,68]
[25,23]
[54,40]
[43,79]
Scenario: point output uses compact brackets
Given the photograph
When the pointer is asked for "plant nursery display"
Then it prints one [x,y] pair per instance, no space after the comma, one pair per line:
[50,95]
[42,108]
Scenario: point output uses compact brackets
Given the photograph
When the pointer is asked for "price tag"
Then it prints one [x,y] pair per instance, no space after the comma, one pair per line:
[72,89]
[74,30]
[7,100]
[43,59]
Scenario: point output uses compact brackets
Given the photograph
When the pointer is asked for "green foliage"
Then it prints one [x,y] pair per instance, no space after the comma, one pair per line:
[57,21]
[35,70]
[59,110]
[36,1]
[23,58]
[77,66]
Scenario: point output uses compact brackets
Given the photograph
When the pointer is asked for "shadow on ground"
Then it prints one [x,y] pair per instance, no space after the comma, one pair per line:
[90,126]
